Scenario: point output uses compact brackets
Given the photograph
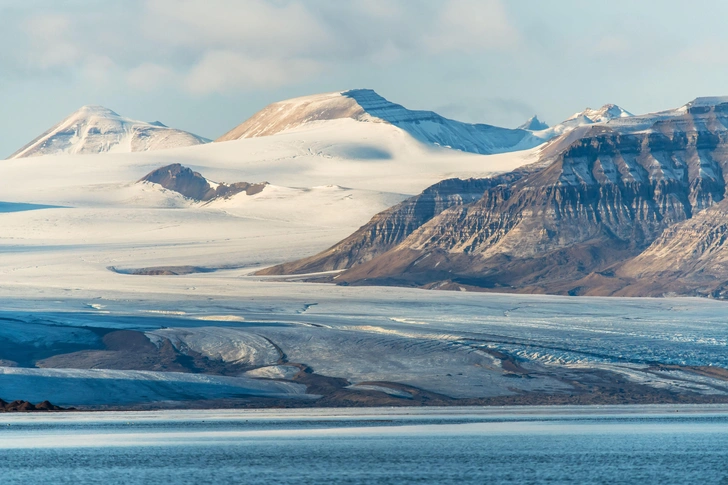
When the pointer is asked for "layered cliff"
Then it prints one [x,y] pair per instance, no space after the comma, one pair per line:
[391,227]
[578,223]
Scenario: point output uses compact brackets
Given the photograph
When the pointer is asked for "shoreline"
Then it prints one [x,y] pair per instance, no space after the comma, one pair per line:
[453,412]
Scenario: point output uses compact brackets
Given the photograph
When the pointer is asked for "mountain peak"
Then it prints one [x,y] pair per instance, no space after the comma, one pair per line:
[708,101]
[193,185]
[533,124]
[366,105]
[97,129]
[603,114]
[97,110]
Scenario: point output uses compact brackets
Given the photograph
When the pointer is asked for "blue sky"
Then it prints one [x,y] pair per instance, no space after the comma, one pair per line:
[206,66]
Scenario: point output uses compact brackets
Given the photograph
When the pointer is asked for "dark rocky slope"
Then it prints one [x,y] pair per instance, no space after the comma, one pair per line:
[391,227]
[27,407]
[611,212]
[194,186]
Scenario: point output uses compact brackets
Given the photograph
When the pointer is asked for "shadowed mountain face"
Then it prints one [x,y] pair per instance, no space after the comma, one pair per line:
[600,215]
[365,105]
[196,187]
[391,227]
[533,124]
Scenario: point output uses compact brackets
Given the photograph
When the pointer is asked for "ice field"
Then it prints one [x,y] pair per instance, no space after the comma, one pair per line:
[73,228]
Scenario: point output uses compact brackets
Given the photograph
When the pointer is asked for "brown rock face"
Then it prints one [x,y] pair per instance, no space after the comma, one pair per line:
[391,227]
[614,209]
[194,186]
[26,407]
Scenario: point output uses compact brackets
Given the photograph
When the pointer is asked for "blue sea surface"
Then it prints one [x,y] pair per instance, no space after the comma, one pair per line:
[657,445]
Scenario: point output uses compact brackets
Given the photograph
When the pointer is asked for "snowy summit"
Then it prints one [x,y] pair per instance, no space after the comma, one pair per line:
[533,124]
[95,129]
[365,105]
[605,113]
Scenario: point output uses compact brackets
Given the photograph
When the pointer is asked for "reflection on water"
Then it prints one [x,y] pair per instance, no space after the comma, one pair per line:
[650,445]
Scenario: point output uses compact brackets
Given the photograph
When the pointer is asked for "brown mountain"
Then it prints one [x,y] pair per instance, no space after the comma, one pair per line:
[391,227]
[196,187]
[615,208]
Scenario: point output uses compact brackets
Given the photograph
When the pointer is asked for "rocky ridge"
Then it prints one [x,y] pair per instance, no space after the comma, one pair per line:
[533,124]
[611,208]
[193,185]
[365,105]
[27,407]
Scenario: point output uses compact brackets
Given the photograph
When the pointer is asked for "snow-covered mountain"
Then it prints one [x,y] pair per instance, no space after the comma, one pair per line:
[633,206]
[609,113]
[115,292]
[95,129]
[533,124]
[365,105]
[606,113]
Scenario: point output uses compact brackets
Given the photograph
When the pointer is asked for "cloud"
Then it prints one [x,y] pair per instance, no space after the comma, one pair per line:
[149,76]
[472,26]
[238,45]
[489,110]
[252,27]
[612,45]
[99,69]
[50,43]
[225,71]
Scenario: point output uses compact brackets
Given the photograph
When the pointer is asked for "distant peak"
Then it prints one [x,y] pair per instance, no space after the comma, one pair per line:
[705,101]
[605,113]
[533,124]
[353,93]
[97,110]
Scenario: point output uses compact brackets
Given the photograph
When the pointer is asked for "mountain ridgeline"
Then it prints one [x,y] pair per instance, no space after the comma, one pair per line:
[365,105]
[95,129]
[599,214]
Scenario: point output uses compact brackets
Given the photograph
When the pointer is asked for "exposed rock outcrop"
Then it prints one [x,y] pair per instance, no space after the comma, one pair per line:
[27,407]
[604,214]
[391,227]
[194,186]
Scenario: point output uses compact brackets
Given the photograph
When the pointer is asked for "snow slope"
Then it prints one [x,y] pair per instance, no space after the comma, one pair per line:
[67,219]
[609,113]
[95,129]
[366,106]
[606,113]
[325,183]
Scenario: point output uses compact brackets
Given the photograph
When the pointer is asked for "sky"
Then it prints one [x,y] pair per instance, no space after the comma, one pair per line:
[207,65]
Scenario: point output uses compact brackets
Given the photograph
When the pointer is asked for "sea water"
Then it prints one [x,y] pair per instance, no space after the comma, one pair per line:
[649,444]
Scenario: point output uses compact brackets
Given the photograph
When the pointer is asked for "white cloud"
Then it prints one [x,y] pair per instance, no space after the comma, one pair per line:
[472,26]
[252,26]
[149,76]
[612,45]
[224,71]
[99,69]
[50,41]
[238,45]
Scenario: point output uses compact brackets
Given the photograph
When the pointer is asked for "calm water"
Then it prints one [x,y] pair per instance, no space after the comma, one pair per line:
[646,445]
